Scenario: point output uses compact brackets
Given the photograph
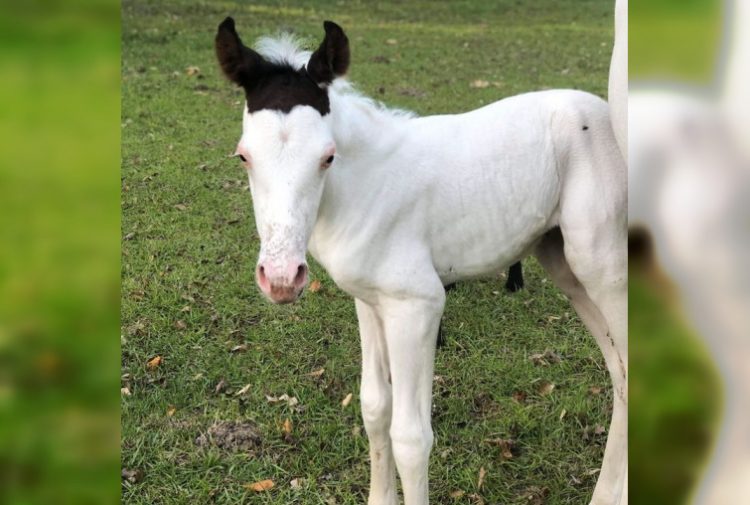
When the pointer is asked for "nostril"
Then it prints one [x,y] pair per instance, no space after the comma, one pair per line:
[261,274]
[301,276]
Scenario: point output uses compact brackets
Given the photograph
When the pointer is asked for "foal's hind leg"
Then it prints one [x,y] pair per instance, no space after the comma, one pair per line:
[515,277]
[605,320]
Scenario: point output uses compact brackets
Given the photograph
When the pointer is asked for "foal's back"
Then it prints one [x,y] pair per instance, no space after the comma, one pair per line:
[489,181]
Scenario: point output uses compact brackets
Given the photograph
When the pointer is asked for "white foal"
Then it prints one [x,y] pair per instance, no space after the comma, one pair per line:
[395,207]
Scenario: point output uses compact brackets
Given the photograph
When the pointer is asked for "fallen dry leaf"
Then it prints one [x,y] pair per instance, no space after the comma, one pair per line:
[287,426]
[296,483]
[595,390]
[220,387]
[562,414]
[476,499]
[347,400]
[457,494]
[291,401]
[519,396]
[125,391]
[180,324]
[479,83]
[154,362]
[192,70]
[546,358]
[180,206]
[391,42]
[238,348]
[243,390]
[506,446]
[545,388]
[535,495]
[482,475]
[132,476]
[316,373]
[186,308]
[171,410]
[260,486]
[597,430]
[314,286]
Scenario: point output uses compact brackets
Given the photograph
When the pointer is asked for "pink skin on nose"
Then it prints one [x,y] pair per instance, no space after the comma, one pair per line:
[282,285]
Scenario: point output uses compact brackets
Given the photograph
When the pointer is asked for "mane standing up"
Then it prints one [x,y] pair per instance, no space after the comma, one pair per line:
[395,207]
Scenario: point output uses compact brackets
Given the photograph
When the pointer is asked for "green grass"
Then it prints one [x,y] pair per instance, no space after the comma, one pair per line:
[675,396]
[190,246]
[59,258]
[674,39]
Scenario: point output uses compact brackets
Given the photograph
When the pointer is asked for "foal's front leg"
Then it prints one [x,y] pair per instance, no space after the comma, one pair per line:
[411,332]
[375,397]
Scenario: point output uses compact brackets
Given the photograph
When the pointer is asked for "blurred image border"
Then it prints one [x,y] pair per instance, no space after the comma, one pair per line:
[60,253]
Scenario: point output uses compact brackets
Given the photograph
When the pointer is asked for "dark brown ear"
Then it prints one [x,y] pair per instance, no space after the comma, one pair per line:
[331,60]
[240,64]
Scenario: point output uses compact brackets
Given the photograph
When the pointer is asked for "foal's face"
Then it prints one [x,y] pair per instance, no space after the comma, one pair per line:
[286,147]
[287,156]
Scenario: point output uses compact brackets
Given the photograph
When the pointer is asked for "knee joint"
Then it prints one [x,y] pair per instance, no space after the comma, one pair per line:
[413,442]
[376,410]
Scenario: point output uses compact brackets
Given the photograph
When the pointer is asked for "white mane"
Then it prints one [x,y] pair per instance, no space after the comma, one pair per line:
[287,49]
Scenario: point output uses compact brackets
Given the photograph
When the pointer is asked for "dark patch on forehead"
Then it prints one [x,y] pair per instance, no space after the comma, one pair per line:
[281,87]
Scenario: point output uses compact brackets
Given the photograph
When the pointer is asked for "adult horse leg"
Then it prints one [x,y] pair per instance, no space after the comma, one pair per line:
[610,333]
[593,223]
[410,331]
[375,397]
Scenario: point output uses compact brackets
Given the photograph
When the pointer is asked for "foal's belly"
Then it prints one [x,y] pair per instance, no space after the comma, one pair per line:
[486,245]
[482,253]
[480,229]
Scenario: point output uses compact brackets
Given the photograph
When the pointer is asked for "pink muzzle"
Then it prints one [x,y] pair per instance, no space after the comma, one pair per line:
[281,285]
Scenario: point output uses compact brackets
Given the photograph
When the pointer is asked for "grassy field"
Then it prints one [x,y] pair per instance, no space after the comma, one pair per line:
[189,249]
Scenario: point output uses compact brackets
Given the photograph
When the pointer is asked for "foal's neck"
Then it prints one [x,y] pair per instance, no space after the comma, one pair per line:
[362,127]
[367,137]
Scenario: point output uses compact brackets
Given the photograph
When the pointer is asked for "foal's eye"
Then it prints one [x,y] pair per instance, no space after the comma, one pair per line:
[326,162]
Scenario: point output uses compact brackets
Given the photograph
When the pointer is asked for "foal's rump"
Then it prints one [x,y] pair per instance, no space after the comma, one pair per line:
[500,172]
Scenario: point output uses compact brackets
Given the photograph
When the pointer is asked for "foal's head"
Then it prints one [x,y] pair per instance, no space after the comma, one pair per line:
[286,147]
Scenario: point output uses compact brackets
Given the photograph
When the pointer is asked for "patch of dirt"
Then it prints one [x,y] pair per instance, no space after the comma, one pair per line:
[484,406]
[535,495]
[234,436]
[411,92]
